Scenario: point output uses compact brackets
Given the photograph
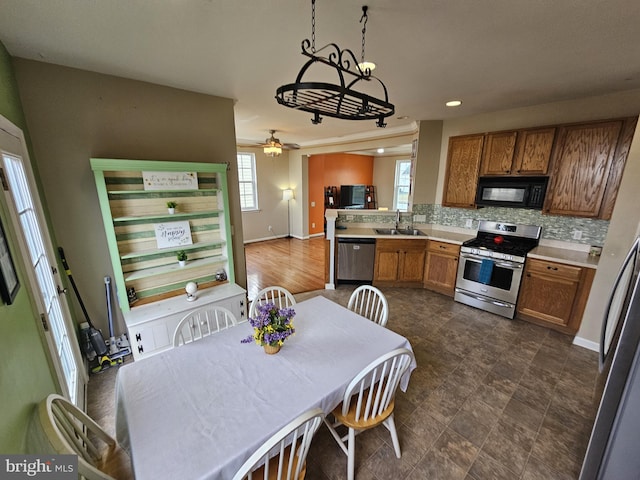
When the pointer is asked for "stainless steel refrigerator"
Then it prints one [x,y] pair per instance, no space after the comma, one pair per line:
[613,452]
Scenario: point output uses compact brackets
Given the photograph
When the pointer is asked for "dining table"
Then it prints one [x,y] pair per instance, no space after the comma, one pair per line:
[200,410]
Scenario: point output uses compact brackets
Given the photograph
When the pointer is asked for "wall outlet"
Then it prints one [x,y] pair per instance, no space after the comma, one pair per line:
[313,204]
[270,228]
[313,225]
[469,223]
[420,218]
[349,217]
[577,234]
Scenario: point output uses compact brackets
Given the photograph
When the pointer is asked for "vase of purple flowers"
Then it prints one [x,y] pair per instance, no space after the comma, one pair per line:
[271,327]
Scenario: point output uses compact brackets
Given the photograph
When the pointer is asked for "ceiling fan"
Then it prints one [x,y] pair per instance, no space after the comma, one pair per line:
[273,146]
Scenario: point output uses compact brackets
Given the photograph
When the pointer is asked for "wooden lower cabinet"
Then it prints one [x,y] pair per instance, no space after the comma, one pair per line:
[554,294]
[399,263]
[441,267]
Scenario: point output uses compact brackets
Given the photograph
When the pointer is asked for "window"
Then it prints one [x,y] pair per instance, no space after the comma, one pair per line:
[248,182]
[402,185]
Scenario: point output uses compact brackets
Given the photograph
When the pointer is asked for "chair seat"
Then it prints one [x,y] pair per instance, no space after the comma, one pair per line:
[115,462]
[273,467]
[349,420]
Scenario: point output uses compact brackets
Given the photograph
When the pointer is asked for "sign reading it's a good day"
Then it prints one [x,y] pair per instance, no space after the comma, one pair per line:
[170,180]
[173,234]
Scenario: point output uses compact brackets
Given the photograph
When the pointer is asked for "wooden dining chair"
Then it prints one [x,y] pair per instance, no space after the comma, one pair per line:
[370,302]
[279,296]
[70,431]
[201,323]
[369,401]
[283,456]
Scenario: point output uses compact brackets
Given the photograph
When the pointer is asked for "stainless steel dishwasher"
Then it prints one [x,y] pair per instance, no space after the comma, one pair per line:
[356,257]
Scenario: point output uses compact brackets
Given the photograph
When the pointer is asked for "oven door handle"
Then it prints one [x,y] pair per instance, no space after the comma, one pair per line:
[513,266]
[484,299]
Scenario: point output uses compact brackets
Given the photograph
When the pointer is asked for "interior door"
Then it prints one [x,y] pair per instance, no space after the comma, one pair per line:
[38,254]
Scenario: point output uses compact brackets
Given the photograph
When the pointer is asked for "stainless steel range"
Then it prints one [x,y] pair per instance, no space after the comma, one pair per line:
[491,266]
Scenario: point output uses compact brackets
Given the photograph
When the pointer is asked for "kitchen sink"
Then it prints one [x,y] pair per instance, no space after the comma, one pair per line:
[399,231]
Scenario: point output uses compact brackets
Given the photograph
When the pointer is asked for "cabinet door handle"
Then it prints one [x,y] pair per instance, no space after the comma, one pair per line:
[442,247]
[549,267]
[138,337]
[140,349]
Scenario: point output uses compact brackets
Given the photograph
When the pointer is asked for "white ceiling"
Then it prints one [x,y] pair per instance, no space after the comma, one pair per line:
[491,54]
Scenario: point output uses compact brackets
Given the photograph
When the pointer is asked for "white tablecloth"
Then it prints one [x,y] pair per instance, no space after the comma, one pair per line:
[200,410]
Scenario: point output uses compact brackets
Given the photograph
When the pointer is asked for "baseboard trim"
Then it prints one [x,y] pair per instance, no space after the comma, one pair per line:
[588,344]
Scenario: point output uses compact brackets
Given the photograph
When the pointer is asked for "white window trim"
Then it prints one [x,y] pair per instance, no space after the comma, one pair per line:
[396,185]
[254,182]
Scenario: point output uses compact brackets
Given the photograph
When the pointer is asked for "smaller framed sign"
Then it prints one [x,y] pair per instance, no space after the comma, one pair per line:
[170,180]
[173,234]
[9,284]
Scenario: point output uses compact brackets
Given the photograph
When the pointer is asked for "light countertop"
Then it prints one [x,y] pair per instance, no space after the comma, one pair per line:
[564,255]
[430,234]
[569,256]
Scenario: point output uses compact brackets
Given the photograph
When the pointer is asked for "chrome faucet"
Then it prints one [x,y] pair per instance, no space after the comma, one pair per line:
[397,218]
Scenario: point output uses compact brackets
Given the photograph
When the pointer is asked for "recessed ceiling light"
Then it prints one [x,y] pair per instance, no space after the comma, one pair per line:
[381,150]
[454,103]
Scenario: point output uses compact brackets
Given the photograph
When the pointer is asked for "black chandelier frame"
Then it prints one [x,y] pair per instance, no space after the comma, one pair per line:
[341,100]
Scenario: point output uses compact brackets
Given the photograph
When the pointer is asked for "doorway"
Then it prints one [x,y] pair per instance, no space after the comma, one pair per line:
[36,248]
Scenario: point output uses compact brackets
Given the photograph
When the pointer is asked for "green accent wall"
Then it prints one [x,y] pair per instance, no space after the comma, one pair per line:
[25,374]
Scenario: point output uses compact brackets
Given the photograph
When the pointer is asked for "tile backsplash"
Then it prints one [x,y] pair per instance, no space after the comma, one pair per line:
[554,227]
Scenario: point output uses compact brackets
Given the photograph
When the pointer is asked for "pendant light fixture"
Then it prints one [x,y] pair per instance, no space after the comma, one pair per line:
[341,99]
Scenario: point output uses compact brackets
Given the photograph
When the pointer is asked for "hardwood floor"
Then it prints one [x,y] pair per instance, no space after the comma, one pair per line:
[297,265]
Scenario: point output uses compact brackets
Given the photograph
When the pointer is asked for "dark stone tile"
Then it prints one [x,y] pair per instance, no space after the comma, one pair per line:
[536,378]
[536,470]
[437,466]
[384,463]
[424,426]
[492,396]
[443,403]
[487,468]
[512,371]
[524,414]
[550,359]
[467,424]
[537,399]
[484,413]
[500,383]
[515,433]
[502,450]
[457,448]
[556,459]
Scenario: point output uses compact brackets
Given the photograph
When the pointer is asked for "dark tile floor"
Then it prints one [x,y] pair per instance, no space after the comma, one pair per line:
[491,399]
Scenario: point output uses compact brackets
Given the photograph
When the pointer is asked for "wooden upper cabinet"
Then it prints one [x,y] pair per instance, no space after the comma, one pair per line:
[521,152]
[533,151]
[582,163]
[498,152]
[463,165]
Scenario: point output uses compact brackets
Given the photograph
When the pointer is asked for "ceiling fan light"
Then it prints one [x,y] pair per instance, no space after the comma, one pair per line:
[272,151]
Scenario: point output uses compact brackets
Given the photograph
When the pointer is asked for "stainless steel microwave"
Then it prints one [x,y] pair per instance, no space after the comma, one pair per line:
[516,192]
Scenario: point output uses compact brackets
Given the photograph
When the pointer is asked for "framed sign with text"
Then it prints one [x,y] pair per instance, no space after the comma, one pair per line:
[173,234]
[170,180]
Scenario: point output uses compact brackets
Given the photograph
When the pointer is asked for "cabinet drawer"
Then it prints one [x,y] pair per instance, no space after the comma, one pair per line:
[443,247]
[403,245]
[556,269]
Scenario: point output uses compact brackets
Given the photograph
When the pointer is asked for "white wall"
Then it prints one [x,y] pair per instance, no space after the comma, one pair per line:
[273,177]
[384,173]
